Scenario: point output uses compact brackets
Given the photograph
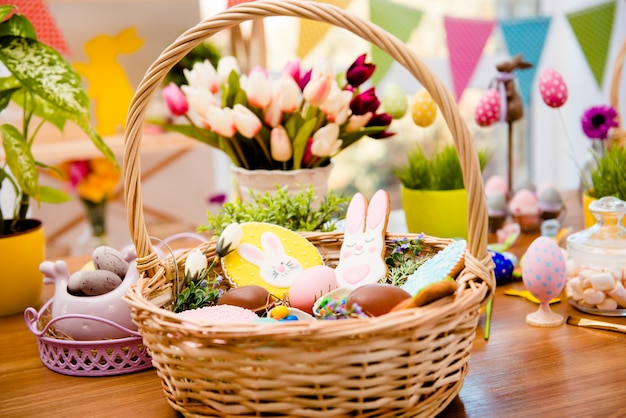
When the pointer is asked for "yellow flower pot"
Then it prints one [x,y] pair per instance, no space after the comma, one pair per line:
[438,213]
[20,279]
[587,215]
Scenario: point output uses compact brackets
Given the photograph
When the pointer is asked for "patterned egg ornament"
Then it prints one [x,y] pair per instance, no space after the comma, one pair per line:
[488,108]
[544,275]
[503,269]
[424,109]
[552,88]
[395,101]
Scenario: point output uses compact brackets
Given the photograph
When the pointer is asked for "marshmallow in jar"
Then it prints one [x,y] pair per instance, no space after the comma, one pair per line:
[596,265]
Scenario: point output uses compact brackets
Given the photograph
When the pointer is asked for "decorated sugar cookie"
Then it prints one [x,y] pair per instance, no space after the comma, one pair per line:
[270,256]
[446,263]
[361,259]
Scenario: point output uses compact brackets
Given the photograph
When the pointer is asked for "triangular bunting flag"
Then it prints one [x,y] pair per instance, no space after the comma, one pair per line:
[466,39]
[593,28]
[44,23]
[526,37]
[312,32]
[396,19]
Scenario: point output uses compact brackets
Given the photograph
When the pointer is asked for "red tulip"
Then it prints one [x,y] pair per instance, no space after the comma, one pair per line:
[365,102]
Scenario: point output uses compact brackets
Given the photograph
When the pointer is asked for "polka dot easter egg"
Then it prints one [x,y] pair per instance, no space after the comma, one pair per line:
[269,256]
[503,269]
[395,101]
[488,108]
[543,270]
[424,109]
[553,88]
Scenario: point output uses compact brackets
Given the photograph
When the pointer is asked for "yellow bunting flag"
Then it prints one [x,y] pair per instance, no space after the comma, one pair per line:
[312,32]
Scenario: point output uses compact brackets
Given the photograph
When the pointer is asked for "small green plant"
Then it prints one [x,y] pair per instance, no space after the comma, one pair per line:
[294,211]
[404,256]
[609,176]
[440,171]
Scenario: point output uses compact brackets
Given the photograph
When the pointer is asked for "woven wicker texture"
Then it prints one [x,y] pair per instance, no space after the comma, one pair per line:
[407,363]
[618,134]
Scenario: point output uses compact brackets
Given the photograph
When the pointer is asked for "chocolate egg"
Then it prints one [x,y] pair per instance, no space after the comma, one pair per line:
[254,298]
[376,299]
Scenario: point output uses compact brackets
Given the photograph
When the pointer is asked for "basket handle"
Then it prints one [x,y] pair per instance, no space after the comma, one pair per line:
[618,134]
[148,261]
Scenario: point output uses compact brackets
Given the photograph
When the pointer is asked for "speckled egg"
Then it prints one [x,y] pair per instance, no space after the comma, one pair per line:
[543,269]
[310,285]
[376,299]
[395,101]
[488,108]
[108,258]
[423,109]
[553,88]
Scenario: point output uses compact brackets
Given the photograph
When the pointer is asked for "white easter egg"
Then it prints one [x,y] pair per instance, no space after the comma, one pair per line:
[552,88]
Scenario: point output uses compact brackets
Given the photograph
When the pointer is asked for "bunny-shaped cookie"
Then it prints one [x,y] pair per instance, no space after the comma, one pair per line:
[361,260]
[276,267]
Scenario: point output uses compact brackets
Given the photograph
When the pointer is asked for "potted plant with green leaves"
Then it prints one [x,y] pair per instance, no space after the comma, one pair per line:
[44,85]
[433,195]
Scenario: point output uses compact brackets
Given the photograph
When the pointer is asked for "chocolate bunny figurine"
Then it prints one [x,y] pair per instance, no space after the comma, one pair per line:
[513,109]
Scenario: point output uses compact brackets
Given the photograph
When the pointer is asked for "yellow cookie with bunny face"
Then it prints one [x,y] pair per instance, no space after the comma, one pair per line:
[269,256]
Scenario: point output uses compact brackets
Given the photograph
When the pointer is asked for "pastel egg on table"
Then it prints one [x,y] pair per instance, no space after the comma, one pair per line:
[270,256]
[544,269]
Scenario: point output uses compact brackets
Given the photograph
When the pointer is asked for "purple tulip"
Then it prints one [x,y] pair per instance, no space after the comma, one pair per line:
[365,102]
[359,72]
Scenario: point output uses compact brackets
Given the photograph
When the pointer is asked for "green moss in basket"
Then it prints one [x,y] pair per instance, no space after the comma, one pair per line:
[404,256]
[440,171]
[609,176]
[292,210]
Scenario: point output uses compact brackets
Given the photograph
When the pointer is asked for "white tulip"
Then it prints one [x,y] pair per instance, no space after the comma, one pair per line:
[195,265]
[229,240]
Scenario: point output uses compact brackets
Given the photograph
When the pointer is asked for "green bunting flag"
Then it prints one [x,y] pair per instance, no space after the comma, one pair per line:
[593,27]
[396,19]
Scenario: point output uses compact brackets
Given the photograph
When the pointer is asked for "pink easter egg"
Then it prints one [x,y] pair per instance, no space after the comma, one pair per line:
[553,88]
[497,185]
[311,284]
[543,270]
[488,108]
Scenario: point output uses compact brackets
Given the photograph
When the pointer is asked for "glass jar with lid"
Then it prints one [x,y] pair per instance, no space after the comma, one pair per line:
[597,261]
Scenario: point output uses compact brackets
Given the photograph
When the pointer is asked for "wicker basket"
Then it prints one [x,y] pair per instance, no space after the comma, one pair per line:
[618,134]
[406,363]
[108,357]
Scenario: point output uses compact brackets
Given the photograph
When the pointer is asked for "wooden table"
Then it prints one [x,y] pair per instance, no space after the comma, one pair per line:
[521,371]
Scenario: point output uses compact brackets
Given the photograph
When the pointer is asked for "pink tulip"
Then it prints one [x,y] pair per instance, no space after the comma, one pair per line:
[325,141]
[287,93]
[293,69]
[222,121]
[246,122]
[337,106]
[318,89]
[175,100]
[199,100]
[280,144]
[225,66]
[202,75]
[356,122]
[273,116]
[259,88]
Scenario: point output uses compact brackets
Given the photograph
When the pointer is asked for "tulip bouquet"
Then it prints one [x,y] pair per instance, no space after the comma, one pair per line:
[299,119]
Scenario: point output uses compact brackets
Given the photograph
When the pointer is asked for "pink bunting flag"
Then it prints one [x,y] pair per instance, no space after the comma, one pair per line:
[44,23]
[232,3]
[466,39]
